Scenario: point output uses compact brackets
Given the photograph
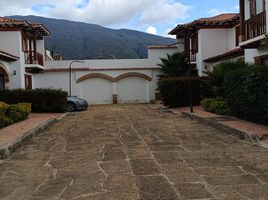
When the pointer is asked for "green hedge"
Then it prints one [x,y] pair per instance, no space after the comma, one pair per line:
[247,94]
[10,114]
[42,100]
[216,105]
[175,91]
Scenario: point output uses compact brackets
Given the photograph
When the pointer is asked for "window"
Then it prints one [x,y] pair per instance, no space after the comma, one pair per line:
[194,43]
[256,7]
[28,82]
[261,60]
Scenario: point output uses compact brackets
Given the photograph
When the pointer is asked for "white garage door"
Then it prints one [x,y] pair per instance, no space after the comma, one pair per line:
[132,90]
[97,91]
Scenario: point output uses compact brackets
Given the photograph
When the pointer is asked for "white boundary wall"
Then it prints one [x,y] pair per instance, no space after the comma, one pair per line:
[137,88]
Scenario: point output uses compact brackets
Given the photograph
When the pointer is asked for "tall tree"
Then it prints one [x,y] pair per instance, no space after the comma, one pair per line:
[174,65]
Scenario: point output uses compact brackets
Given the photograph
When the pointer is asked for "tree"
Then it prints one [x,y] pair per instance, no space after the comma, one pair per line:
[174,65]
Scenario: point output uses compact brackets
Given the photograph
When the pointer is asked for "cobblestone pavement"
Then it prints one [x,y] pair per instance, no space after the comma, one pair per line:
[129,152]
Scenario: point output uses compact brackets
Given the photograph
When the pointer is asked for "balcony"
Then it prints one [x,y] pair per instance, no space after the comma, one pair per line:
[30,58]
[255,26]
[33,64]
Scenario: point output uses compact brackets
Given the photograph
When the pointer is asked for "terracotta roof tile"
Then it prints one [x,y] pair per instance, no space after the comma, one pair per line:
[7,56]
[227,55]
[163,47]
[66,69]
[17,23]
[4,20]
[222,20]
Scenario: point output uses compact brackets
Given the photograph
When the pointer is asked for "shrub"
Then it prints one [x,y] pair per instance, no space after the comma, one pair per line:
[216,105]
[175,91]
[42,100]
[18,112]
[215,79]
[10,114]
[247,94]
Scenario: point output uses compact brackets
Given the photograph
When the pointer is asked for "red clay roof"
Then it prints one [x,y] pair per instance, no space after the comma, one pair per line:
[66,69]
[7,56]
[222,20]
[4,19]
[227,55]
[17,23]
[163,47]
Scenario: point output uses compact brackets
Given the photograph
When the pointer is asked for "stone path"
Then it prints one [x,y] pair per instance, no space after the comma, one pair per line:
[129,152]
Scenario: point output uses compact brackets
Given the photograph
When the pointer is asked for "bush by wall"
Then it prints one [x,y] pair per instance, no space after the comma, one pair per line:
[10,114]
[42,100]
[216,105]
[175,91]
[247,94]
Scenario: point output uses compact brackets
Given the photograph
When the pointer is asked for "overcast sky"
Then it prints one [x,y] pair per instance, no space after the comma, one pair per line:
[153,16]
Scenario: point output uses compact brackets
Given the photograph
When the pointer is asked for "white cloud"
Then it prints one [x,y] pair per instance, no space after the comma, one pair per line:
[151,30]
[163,11]
[103,12]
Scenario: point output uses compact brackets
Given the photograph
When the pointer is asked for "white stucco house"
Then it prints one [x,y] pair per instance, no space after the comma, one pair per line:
[207,41]
[253,37]
[25,64]
[21,52]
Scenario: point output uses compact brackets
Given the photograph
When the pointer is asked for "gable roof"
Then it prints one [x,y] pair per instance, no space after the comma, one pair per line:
[9,23]
[226,20]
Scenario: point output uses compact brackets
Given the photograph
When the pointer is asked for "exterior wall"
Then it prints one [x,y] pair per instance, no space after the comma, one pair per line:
[250,54]
[180,44]
[11,43]
[211,42]
[40,48]
[60,80]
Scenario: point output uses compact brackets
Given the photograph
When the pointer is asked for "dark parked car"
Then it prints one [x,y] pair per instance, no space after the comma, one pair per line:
[74,103]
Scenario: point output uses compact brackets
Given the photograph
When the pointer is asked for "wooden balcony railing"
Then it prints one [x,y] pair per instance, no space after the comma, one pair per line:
[30,58]
[255,26]
[193,57]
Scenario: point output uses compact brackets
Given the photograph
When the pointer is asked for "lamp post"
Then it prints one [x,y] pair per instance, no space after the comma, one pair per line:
[70,75]
[188,61]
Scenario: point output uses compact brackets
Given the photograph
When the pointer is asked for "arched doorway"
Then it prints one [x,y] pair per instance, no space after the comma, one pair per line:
[4,78]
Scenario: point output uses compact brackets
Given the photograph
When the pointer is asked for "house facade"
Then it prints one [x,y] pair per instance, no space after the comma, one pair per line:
[207,41]
[253,37]
[21,52]
[25,64]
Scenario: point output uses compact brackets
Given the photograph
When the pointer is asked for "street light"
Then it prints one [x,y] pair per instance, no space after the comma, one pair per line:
[70,75]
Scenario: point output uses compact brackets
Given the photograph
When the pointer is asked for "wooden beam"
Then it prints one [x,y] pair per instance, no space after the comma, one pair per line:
[242,21]
[35,50]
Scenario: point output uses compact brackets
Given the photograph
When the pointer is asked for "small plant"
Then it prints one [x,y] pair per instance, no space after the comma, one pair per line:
[216,105]
[10,114]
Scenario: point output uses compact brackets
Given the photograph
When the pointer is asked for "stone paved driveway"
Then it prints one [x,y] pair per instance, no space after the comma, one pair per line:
[129,152]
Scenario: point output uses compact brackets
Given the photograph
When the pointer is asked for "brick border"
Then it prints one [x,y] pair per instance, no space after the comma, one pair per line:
[243,135]
[11,147]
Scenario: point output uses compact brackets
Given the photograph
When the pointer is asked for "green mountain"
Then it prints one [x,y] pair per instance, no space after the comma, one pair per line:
[77,40]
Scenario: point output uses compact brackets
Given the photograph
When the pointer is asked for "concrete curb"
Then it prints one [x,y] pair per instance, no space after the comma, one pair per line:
[249,137]
[11,147]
